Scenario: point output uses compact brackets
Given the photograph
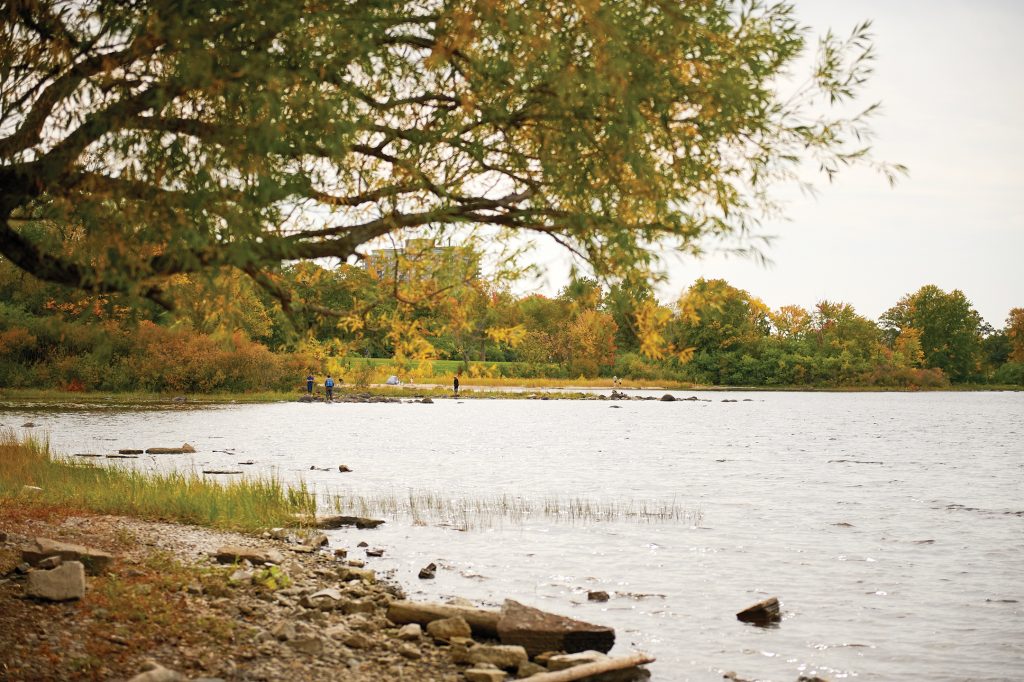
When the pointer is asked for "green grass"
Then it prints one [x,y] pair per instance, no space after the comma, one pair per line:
[248,504]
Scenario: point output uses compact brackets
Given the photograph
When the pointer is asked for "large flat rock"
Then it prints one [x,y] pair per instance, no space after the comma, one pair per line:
[94,560]
[65,582]
[538,631]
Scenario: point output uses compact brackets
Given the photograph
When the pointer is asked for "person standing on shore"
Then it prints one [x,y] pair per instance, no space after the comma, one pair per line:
[329,385]
[309,383]
[455,384]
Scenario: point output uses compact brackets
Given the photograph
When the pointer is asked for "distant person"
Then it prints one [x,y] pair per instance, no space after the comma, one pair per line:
[455,384]
[309,383]
[329,385]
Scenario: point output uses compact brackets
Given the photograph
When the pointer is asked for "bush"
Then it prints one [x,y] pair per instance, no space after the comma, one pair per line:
[1011,373]
[906,377]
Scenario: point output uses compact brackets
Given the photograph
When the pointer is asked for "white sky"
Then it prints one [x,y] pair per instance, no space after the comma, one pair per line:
[949,75]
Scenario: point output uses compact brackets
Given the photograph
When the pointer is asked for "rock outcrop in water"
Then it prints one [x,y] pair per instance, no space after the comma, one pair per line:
[762,613]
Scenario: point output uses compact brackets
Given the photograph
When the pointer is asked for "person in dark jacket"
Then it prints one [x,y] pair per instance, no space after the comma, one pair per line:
[309,383]
[455,384]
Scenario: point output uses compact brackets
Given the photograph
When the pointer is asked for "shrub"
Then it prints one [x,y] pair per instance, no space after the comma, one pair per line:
[1011,373]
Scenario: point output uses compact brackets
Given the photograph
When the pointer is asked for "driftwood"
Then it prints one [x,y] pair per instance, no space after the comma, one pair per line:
[482,621]
[581,672]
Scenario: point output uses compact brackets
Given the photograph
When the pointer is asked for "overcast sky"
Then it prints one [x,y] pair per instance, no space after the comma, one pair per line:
[949,75]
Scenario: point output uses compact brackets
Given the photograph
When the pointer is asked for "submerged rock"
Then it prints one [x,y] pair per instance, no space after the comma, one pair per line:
[328,522]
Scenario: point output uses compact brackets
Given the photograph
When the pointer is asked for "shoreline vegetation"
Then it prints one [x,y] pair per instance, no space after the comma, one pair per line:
[30,470]
[550,389]
[171,580]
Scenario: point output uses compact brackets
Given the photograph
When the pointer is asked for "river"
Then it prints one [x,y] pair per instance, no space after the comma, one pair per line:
[889,525]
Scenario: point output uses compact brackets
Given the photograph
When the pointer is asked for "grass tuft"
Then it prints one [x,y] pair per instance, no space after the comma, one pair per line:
[248,504]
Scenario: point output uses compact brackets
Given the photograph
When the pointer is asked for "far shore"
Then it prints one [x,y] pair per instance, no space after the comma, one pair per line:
[470,389]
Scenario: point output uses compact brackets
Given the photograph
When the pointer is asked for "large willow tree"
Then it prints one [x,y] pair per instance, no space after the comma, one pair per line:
[145,139]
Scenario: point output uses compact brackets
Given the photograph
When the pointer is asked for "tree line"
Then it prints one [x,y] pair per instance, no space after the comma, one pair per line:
[231,335]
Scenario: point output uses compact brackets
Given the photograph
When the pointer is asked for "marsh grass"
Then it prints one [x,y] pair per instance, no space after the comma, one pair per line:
[468,513]
[247,504]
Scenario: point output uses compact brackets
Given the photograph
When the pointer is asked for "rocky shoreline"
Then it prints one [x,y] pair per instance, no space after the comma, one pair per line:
[166,601]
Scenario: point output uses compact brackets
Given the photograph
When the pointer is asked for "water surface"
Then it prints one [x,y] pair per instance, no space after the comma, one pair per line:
[890,526]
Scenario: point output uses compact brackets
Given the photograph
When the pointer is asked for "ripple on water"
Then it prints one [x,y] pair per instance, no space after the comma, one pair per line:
[928,531]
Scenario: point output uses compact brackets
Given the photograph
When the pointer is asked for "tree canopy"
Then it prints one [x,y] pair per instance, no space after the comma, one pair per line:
[144,140]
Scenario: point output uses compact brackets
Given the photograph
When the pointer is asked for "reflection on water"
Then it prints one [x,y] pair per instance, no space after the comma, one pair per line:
[889,525]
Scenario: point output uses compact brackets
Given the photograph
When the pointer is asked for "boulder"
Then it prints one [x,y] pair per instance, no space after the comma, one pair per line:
[539,631]
[761,613]
[129,451]
[63,583]
[367,575]
[504,656]
[668,398]
[232,554]
[410,632]
[376,552]
[428,571]
[94,560]
[344,469]
[597,595]
[446,628]
[358,640]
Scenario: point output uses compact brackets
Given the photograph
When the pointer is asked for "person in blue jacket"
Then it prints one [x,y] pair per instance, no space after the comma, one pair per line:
[309,383]
[329,385]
